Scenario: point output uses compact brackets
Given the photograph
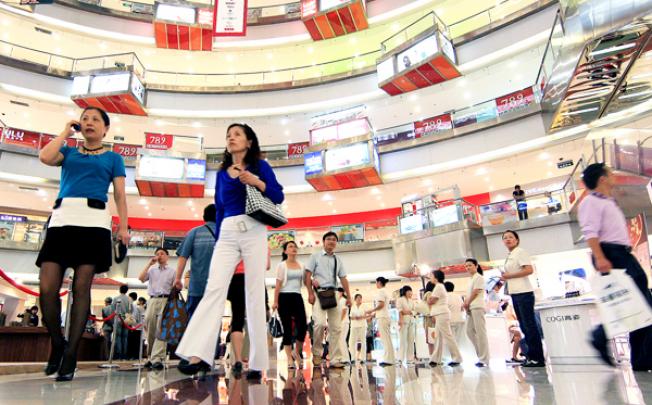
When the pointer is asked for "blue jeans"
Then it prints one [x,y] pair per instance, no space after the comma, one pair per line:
[191,304]
[121,341]
[524,308]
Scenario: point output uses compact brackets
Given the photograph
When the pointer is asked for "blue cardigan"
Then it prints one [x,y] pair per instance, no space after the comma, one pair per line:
[231,195]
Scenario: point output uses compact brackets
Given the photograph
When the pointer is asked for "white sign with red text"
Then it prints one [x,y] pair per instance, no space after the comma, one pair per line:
[230,18]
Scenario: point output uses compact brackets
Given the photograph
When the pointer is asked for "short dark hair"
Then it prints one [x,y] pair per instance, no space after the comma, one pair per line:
[517,186]
[142,299]
[382,280]
[108,300]
[429,286]
[34,307]
[439,275]
[124,288]
[210,213]
[103,114]
[163,249]
[356,296]
[591,175]
[133,295]
[329,234]
[450,287]
[513,233]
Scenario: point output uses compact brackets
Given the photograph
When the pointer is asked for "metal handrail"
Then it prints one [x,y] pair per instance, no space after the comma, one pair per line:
[431,14]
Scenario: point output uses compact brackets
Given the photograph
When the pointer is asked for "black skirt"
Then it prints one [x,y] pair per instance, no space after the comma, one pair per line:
[73,246]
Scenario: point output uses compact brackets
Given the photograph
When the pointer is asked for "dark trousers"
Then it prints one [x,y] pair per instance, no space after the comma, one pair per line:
[191,304]
[524,308]
[133,340]
[121,339]
[522,214]
[290,308]
[640,341]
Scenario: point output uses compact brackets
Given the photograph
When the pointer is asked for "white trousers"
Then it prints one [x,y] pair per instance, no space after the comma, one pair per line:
[345,346]
[232,246]
[476,330]
[384,329]
[443,333]
[358,335]
[331,318]
[407,337]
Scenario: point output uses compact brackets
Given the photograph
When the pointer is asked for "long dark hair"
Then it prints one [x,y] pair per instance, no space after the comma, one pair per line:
[284,256]
[475,263]
[253,153]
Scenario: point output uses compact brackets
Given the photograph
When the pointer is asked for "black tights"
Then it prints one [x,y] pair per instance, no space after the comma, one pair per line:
[51,278]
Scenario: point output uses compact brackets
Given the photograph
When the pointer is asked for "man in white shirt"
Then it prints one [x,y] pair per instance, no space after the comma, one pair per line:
[322,272]
[358,331]
[161,278]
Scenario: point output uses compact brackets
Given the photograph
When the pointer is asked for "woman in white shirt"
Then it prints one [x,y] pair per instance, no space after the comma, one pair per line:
[381,310]
[289,302]
[518,267]
[439,301]
[345,322]
[358,331]
[406,325]
[476,327]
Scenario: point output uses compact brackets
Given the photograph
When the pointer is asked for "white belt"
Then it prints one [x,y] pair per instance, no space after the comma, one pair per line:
[241,223]
[76,212]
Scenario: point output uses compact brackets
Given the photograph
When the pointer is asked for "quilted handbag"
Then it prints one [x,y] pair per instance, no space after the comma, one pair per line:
[174,318]
[263,209]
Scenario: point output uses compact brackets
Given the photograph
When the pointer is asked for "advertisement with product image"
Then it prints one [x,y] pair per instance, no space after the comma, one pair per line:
[276,239]
[637,229]
[349,233]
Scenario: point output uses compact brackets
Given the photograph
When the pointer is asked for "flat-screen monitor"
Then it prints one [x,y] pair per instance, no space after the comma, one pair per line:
[313,163]
[417,53]
[348,156]
[196,169]
[161,167]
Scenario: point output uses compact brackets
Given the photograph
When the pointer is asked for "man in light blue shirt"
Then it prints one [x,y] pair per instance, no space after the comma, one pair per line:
[198,247]
[322,272]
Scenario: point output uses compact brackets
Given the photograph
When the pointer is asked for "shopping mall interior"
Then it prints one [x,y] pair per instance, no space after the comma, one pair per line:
[403,126]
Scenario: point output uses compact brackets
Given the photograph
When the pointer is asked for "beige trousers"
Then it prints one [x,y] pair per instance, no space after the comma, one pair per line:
[331,318]
[476,330]
[444,333]
[406,343]
[384,328]
[358,335]
[155,347]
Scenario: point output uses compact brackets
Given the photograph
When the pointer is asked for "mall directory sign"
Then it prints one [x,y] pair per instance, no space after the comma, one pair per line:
[343,165]
[425,60]
[117,93]
[183,26]
[326,19]
[170,174]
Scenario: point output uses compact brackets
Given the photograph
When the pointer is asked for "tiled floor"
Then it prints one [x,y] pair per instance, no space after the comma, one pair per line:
[499,384]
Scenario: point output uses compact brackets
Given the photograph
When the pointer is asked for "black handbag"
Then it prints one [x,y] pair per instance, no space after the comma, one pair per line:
[275,326]
[327,297]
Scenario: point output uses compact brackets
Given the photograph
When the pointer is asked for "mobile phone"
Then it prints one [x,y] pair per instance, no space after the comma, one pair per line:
[76,127]
[237,169]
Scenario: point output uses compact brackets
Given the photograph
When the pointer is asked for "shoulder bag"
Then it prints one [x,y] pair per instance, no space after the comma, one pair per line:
[263,209]
[327,297]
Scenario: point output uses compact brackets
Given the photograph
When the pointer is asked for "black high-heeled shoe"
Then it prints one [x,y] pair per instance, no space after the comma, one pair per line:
[66,372]
[56,357]
[193,369]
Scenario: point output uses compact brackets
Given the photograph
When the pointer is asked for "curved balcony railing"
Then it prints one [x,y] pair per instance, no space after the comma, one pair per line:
[298,76]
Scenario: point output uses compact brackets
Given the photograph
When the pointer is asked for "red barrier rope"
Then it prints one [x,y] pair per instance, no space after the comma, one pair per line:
[108,318]
[22,287]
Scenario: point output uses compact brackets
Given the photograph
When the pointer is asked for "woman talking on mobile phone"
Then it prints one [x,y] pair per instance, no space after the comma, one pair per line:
[79,230]
[239,237]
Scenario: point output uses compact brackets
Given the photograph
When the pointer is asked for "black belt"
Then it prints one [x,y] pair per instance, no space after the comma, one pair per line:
[616,246]
[160,296]
[92,202]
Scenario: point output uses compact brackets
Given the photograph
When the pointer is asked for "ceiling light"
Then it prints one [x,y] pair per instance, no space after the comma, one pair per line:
[334,211]
[431,189]
[417,109]
[142,201]
[115,119]
[200,135]
[270,56]
[159,123]
[44,199]
[196,124]
[196,215]
[289,140]
[382,205]
[103,45]
[544,156]
[549,164]
[229,58]
[375,190]
[413,97]
[467,95]
[379,197]
[287,132]
[189,203]
[146,207]
[42,192]
[327,197]
[491,188]
[149,214]
[461,83]
[613,49]
[513,64]
[71,113]
[353,40]
[487,179]
[549,174]
[284,121]
[311,49]
[396,26]
[580,111]
[481,171]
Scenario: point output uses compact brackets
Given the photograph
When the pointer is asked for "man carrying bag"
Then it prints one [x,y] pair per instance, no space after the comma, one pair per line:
[605,230]
[321,280]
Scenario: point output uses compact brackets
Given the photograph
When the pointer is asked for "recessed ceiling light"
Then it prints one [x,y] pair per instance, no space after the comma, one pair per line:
[353,40]
[379,197]
[491,188]
[487,179]
[146,207]
[287,132]
[196,215]
[270,55]
[513,64]
[284,121]
[481,171]
[549,164]
[71,113]
[413,97]
[196,124]
[375,190]
[431,189]
[417,109]
[396,26]
[382,205]
[327,197]
[334,211]
[549,174]
[467,95]
[115,119]
[461,83]
[544,156]
[149,214]
[142,201]
[159,123]
[189,203]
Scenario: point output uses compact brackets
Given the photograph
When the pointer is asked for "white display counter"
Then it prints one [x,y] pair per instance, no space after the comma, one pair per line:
[567,324]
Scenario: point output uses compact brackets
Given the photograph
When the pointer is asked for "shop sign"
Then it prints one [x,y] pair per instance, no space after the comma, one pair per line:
[46,139]
[128,152]
[308,8]
[637,230]
[158,141]
[12,218]
[230,18]
[19,137]
[434,125]
[296,150]
[515,101]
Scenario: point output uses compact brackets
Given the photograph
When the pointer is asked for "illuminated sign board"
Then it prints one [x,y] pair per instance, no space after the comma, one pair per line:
[385,70]
[230,18]
[313,163]
[347,156]
[177,14]
[161,167]
[196,169]
[417,53]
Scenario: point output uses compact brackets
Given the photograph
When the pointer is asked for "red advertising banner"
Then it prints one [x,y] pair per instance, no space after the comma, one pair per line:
[515,101]
[19,137]
[128,152]
[45,139]
[433,125]
[230,18]
[296,150]
[637,229]
[158,141]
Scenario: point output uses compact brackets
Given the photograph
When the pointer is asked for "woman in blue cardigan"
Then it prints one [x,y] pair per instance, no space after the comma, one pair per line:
[240,237]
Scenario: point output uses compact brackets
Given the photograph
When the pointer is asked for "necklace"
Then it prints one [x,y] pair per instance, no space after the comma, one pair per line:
[92,150]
